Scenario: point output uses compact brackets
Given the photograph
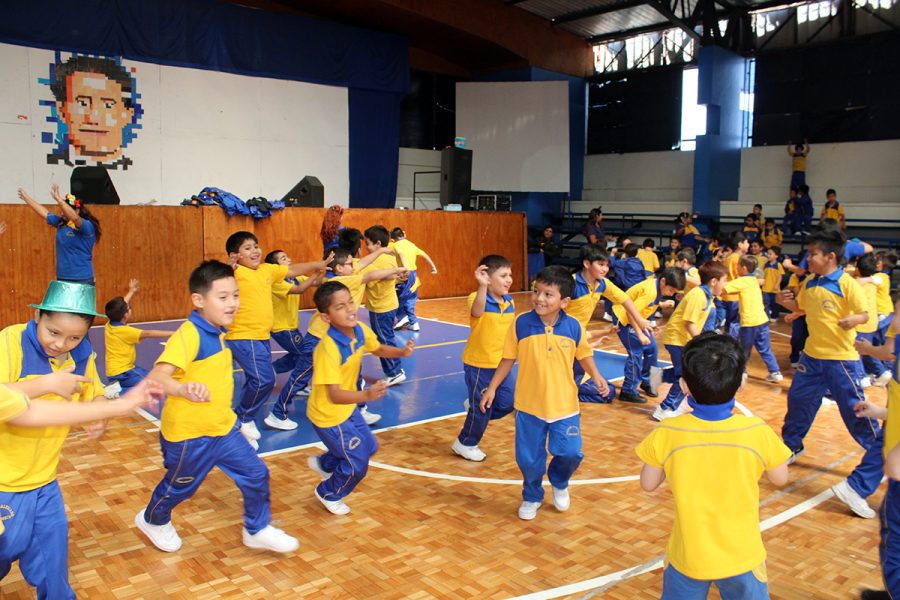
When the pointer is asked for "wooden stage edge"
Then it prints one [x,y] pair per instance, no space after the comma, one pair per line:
[160,245]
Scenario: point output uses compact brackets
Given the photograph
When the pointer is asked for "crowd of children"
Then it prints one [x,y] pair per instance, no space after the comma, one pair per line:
[731,285]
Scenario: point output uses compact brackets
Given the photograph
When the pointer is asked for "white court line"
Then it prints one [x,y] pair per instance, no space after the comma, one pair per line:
[607,581]
[448,477]
[787,335]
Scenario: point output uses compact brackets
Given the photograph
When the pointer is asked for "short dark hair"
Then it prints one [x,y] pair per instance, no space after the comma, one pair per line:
[828,240]
[803,189]
[494,262]
[325,292]
[648,243]
[687,254]
[89,319]
[272,257]
[867,264]
[776,250]
[206,274]
[674,277]
[91,64]
[828,223]
[340,257]
[559,276]
[713,366]
[749,262]
[631,250]
[237,239]
[116,308]
[378,234]
[349,239]
[759,206]
[712,270]
[830,191]
[888,259]
[397,233]
[736,238]
[592,252]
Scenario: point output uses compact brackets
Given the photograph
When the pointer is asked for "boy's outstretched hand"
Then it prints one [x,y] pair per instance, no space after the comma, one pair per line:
[482,277]
[409,347]
[147,394]
[376,390]
[866,409]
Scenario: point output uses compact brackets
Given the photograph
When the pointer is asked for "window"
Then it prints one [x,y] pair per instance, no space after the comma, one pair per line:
[747,97]
[693,115]
[672,46]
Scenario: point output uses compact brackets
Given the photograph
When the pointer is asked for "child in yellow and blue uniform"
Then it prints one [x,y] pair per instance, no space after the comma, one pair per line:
[798,154]
[343,269]
[833,209]
[35,517]
[590,285]
[751,228]
[713,460]
[739,245]
[834,304]
[647,254]
[122,339]
[198,428]
[408,291]
[248,336]
[382,302]
[873,368]
[546,341]
[773,273]
[647,297]
[754,324]
[332,406]
[772,235]
[887,261]
[689,320]
[491,312]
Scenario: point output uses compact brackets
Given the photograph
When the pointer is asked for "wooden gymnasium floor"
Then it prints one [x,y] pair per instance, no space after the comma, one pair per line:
[409,536]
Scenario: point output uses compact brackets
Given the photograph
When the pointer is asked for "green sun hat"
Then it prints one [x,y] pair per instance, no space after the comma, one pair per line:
[65,296]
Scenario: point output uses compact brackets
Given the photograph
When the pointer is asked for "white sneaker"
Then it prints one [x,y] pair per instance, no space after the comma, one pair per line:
[253,444]
[472,453]
[335,507]
[775,377]
[113,390]
[276,423]
[661,414]
[656,377]
[828,400]
[607,317]
[271,538]
[414,327]
[883,379]
[163,537]
[305,391]
[398,378]
[401,323]
[528,510]
[369,417]
[560,499]
[773,320]
[865,382]
[857,503]
[315,465]
[250,430]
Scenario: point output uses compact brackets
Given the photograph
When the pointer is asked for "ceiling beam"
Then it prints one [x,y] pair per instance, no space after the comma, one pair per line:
[627,33]
[662,8]
[595,11]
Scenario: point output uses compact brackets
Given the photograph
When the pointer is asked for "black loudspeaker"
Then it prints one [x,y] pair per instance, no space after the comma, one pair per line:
[456,176]
[309,193]
[92,185]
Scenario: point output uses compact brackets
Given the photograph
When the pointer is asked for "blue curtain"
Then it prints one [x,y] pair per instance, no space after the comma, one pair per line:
[374,148]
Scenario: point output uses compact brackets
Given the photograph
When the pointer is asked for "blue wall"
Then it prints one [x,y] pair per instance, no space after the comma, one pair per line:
[220,36]
[717,160]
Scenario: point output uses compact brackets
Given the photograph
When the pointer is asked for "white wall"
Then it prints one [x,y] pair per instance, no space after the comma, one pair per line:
[412,160]
[251,136]
[866,176]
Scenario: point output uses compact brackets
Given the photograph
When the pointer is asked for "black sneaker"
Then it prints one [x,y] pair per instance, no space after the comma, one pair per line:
[628,397]
[649,392]
[874,595]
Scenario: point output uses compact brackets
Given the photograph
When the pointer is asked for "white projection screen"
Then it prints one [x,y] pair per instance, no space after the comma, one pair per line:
[518,132]
[251,136]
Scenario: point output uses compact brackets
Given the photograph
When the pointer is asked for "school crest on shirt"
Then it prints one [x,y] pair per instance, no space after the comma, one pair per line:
[829,304]
[6,512]
[354,443]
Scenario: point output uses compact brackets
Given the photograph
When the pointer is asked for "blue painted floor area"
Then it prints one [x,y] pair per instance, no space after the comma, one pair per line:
[435,386]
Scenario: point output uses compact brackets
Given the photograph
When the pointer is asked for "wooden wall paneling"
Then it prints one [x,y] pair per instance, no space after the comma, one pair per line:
[28,262]
[217,226]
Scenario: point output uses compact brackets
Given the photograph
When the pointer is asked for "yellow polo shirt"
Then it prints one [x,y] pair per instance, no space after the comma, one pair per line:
[29,456]
[381,296]
[691,272]
[713,469]
[826,300]
[645,296]
[318,327]
[834,211]
[892,423]
[649,258]
[410,253]
[870,290]
[336,361]
[545,387]
[693,308]
[487,333]
[198,352]
[285,305]
[885,304]
[731,263]
[749,296]
[775,238]
[798,162]
[772,274]
[255,315]
[585,298]
[121,352]
[12,404]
